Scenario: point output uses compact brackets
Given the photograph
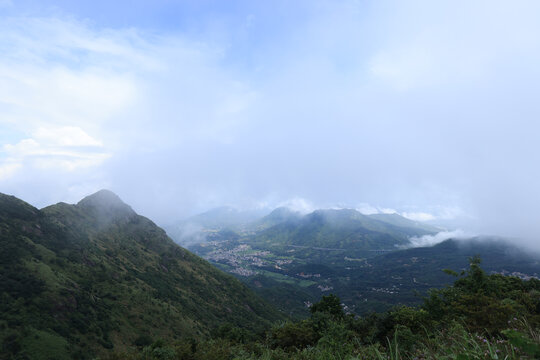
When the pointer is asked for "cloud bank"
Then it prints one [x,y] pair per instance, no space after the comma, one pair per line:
[413,106]
[430,240]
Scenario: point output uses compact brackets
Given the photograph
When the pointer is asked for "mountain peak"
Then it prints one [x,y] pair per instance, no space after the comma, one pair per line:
[336,214]
[103,197]
[277,216]
[107,203]
[282,210]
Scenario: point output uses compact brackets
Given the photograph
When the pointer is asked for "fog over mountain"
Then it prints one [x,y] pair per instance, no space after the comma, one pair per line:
[425,108]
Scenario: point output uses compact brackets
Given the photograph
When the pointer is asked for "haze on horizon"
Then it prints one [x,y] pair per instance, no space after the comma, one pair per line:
[426,108]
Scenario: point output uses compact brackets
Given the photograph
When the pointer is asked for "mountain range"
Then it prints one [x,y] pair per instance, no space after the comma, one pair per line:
[367,260]
[283,223]
[77,280]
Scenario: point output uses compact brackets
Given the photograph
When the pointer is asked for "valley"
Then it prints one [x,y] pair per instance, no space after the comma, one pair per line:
[366,261]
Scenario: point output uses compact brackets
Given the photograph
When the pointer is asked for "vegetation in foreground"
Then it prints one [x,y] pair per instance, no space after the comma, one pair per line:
[480,317]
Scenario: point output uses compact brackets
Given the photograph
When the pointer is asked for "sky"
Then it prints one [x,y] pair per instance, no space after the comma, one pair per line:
[426,108]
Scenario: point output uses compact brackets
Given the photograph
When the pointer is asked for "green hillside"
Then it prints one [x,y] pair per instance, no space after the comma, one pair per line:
[344,229]
[394,278]
[480,316]
[398,220]
[77,280]
[322,237]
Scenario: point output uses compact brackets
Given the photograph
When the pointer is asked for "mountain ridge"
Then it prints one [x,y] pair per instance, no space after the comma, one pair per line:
[338,228]
[96,275]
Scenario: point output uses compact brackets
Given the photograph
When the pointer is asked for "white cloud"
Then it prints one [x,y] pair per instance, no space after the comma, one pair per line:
[66,136]
[387,211]
[417,103]
[405,69]
[429,213]
[430,240]
[77,96]
[8,168]
[58,85]
[298,204]
[367,209]
[418,216]
[34,95]
[63,148]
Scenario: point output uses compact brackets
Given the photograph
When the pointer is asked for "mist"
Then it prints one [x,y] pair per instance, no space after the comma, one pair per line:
[428,109]
[430,240]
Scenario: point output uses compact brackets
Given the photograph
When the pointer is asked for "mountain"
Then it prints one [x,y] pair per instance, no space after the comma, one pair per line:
[398,220]
[212,225]
[293,259]
[425,263]
[77,280]
[340,230]
[395,278]
[361,258]
[380,282]
[277,216]
[331,228]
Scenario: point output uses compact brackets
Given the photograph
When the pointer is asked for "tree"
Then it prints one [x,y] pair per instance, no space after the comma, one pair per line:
[329,304]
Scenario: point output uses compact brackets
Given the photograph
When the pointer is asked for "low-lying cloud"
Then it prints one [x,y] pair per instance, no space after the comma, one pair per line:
[430,240]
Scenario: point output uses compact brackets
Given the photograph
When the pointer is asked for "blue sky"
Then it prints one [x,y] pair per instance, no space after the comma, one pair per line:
[244,27]
[426,108]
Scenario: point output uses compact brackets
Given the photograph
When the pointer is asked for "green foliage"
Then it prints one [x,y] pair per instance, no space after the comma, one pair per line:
[329,304]
[143,341]
[401,333]
[233,334]
[485,303]
[158,351]
[521,341]
[293,335]
[86,279]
